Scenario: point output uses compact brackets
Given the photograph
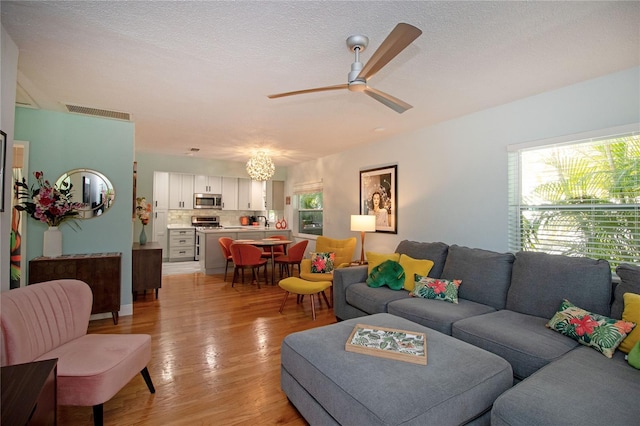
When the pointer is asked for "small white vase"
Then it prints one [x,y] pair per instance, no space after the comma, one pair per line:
[52,242]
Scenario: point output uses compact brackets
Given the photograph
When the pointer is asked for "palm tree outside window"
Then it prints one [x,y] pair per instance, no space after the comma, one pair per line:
[577,198]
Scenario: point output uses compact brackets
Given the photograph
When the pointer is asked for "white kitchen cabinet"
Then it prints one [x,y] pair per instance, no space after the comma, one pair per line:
[182,243]
[160,234]
[160,190]
[275,195]
[229,193]
[180,191]
[207,184]
[250,195]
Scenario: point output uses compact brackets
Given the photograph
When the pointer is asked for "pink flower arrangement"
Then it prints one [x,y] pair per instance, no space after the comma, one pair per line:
[143,210]
[47,203]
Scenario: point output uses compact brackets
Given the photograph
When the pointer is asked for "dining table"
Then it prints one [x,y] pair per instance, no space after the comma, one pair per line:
[267,242]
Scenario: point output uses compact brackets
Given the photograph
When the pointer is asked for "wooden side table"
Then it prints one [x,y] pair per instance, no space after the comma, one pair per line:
[29,393]
[146,272]
[100,270]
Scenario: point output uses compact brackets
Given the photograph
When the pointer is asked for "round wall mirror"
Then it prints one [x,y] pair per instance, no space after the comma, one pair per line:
[90,188]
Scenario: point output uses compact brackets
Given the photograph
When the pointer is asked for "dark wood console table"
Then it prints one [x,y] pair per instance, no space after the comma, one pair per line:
[29,393]
[101,271]
[146,272]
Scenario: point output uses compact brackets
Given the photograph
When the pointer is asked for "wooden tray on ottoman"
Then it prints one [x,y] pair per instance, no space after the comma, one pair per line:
[392,343]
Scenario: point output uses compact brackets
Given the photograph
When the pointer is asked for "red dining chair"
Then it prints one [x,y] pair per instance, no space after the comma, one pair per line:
[247,256]
[225,246]
[294,257]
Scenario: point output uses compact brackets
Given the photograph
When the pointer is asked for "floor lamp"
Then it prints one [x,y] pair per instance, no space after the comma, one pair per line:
[363,223]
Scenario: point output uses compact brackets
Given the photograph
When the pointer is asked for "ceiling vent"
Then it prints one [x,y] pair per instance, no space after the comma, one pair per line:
[99,112]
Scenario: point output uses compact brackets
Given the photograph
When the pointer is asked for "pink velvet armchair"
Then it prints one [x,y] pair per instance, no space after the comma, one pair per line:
[50,320]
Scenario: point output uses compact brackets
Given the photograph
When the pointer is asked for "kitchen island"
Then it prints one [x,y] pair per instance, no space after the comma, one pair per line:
[209,253]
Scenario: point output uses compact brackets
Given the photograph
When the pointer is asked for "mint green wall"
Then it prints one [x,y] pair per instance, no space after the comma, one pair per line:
[61,142]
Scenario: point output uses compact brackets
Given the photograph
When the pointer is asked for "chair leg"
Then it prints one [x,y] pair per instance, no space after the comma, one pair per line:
[97,415]
[225,270]
[255,276]
[313,307]
[235,275]
[325,298]
[286,294]
[147,379]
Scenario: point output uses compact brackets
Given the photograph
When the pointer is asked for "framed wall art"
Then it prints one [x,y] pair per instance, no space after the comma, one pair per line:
[379,197]
[3,162]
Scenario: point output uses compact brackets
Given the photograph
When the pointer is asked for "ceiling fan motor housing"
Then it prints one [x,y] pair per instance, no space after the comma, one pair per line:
[356,84]
[357,43]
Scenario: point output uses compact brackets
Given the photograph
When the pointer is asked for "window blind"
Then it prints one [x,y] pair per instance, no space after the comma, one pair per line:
[578,198]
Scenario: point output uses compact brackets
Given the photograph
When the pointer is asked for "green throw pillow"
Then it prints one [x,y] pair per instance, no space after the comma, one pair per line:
[388,273]
[597,331]
[634,356]
[436,288]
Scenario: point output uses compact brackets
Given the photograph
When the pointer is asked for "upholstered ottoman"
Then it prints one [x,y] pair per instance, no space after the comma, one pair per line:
[329,385]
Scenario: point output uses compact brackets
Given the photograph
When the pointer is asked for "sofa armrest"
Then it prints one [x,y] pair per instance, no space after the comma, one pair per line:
[342,279]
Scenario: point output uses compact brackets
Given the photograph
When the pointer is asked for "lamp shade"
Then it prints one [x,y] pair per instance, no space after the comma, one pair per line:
[363,222]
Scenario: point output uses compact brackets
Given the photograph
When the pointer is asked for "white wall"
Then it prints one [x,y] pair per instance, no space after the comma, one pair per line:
[8,79]
[452,177]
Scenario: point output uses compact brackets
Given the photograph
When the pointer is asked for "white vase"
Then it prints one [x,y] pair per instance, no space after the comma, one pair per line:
[52,242]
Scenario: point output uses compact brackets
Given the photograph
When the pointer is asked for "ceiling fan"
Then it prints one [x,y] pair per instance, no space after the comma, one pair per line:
[401,37]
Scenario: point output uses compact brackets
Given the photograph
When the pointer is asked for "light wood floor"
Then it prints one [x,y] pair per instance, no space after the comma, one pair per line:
[216,355]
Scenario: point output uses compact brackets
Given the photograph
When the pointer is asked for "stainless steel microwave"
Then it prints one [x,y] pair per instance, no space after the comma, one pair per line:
[207,201]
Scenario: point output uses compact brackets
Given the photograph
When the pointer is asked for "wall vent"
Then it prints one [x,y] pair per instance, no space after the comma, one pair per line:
[99,112]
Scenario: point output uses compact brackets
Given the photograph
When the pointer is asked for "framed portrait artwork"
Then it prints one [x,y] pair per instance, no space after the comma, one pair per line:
[3,162]
[379,197]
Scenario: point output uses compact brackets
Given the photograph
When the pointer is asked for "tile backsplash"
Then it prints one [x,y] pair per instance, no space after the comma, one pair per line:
[227,217]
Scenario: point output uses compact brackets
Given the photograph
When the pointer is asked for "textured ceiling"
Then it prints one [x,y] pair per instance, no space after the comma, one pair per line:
[197,74]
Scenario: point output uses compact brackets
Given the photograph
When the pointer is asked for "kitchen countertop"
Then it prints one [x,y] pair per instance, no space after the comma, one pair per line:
[177,226]
[234,228]
[241,229]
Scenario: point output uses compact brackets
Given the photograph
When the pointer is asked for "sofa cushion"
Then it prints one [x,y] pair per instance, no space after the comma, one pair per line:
[521,339]
[372,300]
[602,333]
[375,259]
[581,388]
[540,281]
[435,314]
[631,313]
[412,267]
[437,252]
[629,283]
[486,274]
[436,289]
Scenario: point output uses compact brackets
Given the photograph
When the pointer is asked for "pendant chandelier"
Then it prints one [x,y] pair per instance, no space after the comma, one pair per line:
[260,167]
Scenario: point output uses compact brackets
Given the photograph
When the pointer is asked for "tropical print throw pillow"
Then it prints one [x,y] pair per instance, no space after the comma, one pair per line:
[597,331]
[436,288]
[322,263]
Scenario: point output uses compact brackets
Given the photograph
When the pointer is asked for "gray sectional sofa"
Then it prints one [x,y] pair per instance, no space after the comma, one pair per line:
[505,300]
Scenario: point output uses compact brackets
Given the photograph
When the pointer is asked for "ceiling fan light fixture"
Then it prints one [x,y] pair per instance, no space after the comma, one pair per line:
[260,167]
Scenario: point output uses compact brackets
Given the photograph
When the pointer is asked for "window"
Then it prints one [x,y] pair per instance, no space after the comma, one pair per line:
[310,213]
[578,198]
[309,207]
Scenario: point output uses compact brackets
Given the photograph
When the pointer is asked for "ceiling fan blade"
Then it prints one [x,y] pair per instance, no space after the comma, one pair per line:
[392,102]
[317,89]
[401,37]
